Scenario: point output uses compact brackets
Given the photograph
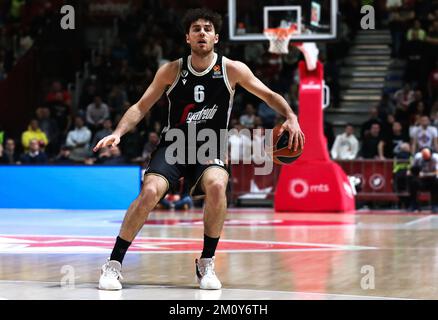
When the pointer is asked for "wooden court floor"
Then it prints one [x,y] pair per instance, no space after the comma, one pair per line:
[57,254]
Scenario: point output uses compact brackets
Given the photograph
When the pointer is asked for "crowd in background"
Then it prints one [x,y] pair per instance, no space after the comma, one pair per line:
[119,74]
[408,118]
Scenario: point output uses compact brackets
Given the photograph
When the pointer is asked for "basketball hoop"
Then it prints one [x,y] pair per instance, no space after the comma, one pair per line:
[279,44]
[279,39]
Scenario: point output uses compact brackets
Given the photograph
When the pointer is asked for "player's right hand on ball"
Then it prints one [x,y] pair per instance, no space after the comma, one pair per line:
[111,140]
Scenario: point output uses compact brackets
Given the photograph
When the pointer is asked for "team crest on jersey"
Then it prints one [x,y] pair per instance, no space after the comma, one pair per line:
[184,73]
[217,72]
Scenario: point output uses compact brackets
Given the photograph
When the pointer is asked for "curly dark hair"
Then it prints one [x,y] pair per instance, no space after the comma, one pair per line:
[202,13]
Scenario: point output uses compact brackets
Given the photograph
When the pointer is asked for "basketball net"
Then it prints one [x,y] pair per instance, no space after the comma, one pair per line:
[279,39]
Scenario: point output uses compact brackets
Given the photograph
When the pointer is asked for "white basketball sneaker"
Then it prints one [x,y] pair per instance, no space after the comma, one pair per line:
[110,276]
[205,274]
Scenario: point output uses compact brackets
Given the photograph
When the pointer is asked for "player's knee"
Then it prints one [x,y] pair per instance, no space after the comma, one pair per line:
[149,195]
[216,189]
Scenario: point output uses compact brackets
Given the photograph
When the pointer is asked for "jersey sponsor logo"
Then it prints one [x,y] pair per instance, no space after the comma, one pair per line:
[186,111]
[202,115]
[184,73]
[217,72]
[184,81]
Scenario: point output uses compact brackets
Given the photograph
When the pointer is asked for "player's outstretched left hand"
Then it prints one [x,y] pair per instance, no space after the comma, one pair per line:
[111,140]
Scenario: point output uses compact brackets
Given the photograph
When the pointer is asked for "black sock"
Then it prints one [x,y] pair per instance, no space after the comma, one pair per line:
[120,249]
[210,245]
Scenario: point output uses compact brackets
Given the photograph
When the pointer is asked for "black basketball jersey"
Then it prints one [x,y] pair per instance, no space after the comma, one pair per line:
[199,99]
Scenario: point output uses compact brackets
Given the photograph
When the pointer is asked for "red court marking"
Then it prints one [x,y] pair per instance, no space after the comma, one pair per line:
[76,244]
[244,223]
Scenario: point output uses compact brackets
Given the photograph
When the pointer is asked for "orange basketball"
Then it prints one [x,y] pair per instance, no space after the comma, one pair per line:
[280,152]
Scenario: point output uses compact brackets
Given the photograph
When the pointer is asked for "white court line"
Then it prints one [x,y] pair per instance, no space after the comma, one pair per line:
[316,294]
[419,220]
[324,294]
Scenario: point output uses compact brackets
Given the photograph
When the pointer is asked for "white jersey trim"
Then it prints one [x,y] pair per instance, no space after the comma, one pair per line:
[203,73]
[180,62]
[227,82]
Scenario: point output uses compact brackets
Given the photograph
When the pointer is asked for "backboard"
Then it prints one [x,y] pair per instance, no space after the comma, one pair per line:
[316,20]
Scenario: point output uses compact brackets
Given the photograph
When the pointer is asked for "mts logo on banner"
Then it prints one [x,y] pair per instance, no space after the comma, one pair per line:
[300,188]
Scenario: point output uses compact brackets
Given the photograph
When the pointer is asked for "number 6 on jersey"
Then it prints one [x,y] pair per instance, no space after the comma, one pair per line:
[199,94]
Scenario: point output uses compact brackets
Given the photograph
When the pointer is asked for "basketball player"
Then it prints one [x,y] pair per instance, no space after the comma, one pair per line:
[200,90]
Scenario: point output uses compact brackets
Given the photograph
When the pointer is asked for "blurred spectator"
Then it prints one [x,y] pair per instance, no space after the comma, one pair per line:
[79,140]
[132,144]
[248,118]
[402,161]
[392,144]
[424,136]
[424,176]
[404,96]
[385,106]
[346,145]
[372,143]
[97,113]
[34,155]
[418,97]
[415,54]
[59,103]
[386,128]
[416,33]
[366,126]
[89,91]
[179,200]
[399,20]
[33,133]
[10,154]
[64,156]
[395,25]
[110,156]
[102,133]
[57,95]
[267,115]
[116,98]
[149,148]
[49,127]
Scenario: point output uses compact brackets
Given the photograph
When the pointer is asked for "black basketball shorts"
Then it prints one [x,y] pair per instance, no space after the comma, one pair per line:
[192,173]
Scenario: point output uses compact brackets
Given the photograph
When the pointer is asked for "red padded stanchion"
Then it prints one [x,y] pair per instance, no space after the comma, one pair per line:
[313,183]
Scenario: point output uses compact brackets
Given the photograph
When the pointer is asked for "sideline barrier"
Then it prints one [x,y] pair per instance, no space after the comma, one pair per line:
[69,187]
[376,176]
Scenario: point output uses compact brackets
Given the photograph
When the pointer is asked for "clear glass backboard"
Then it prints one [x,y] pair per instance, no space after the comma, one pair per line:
[316,20]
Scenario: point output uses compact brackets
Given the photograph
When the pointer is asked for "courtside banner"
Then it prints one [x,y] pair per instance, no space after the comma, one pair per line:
[69,187]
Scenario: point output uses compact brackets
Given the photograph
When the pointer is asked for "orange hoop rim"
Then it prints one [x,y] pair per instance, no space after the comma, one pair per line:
[280,33]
